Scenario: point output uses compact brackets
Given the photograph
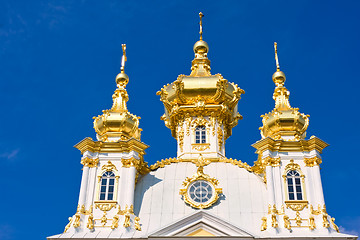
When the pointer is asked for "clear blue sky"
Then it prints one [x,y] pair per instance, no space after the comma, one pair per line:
[59,59]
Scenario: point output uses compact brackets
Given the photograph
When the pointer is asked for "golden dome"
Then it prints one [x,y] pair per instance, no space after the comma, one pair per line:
[201,93]
[283,122]
[117,123]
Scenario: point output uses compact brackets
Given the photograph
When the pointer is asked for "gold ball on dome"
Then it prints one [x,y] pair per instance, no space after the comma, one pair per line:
[201,47]
[279,78]
[122,79]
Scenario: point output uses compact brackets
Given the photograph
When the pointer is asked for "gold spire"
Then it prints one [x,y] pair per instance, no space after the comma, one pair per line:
[123,58]
[276,57]
[284,122]
[200,66]
[117,123]
[200,23]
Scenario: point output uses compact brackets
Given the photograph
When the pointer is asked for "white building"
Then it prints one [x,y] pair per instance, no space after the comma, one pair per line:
[201,193]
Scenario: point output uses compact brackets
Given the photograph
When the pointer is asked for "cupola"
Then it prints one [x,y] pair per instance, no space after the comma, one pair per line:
[283,122]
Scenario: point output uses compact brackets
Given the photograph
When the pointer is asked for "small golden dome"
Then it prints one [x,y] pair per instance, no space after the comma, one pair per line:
[122,79]
[117,123]
[201,47]
[279,78]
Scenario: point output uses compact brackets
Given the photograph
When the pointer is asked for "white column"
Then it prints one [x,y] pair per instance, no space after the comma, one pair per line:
[84,184]
[270,185]
[309,187]
[91,188]
[129,191]
[278,187]
[318,186]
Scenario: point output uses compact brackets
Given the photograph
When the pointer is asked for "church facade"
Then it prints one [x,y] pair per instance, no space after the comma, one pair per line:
[201,193]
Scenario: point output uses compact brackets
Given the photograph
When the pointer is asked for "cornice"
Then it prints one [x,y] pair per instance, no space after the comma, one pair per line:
[268,143]
[129,145]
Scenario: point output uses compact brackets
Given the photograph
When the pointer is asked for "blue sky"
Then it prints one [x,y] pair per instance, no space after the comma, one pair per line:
[59,59]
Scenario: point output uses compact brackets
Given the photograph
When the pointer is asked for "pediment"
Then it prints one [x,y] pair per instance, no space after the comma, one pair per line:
[201,224]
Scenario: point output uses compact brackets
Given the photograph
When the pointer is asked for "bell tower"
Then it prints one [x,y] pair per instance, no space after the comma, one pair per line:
[200,108]
[111,167]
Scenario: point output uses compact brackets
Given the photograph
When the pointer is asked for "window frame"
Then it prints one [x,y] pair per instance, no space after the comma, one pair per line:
[200,135]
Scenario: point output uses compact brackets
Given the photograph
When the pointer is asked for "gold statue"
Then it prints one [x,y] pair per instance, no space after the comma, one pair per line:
[276,57]
[274,222]
[90,223]
[312,223]
[263,224]
[201,30]
[127,221]
[287,224]
[115,222]
[68,225]
[137,224]
[124,58]
[334,225]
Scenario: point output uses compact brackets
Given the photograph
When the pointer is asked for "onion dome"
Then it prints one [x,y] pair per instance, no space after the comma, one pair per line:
[283,122]
[201,93]
[118,123]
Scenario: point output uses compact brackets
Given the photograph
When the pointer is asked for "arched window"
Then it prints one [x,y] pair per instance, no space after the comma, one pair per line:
[294,185]
[107,186]
[200,134]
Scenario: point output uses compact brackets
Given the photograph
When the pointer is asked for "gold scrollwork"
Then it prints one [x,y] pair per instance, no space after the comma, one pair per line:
[264,224]
[90,223]
[105,205]
[315,212]
[312,225]
[137,224]
[292,166]
[180,135]
[109,167]
[314,161]
[270,161]
[220,137]
[115,222]
[298,219]
[274,222]
[200,146]
[287,224]
[68,225]
[127,221]
[89,162]
[104,219]
[76,223]
[296,205]
[334,225]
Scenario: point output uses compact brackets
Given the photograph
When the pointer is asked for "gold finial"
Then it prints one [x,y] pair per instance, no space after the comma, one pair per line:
[276,57]
[124,58]
[201,31]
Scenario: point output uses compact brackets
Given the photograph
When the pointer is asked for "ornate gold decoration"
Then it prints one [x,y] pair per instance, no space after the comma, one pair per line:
[200,94]
[334,225]
[181,137]
[90,223]
[220,137]
[310,162]
[115,222]
[163,162]
[200,175]
[274,222]
[312,225]
[315,212]
[287,224]
[105,205]
[127,210]
[89,162]
[200,23]
[273,145]
[298,219]
[199,121]
[264,224]
[296,205]
[109,167]
[273,210]
[76,223]
[137,224]
[103,219]
[200,146]
[68,225]
[284,122]
[292,166]
[118,123]
[127,221]
[326,223]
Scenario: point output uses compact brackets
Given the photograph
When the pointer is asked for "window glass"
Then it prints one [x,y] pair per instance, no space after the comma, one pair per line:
[200,134]
[294,185]
[107,186]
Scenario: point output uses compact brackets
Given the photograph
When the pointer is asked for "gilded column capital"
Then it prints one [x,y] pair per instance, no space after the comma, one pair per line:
[270,161]
[314,161]
[89,162]
[139,164]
